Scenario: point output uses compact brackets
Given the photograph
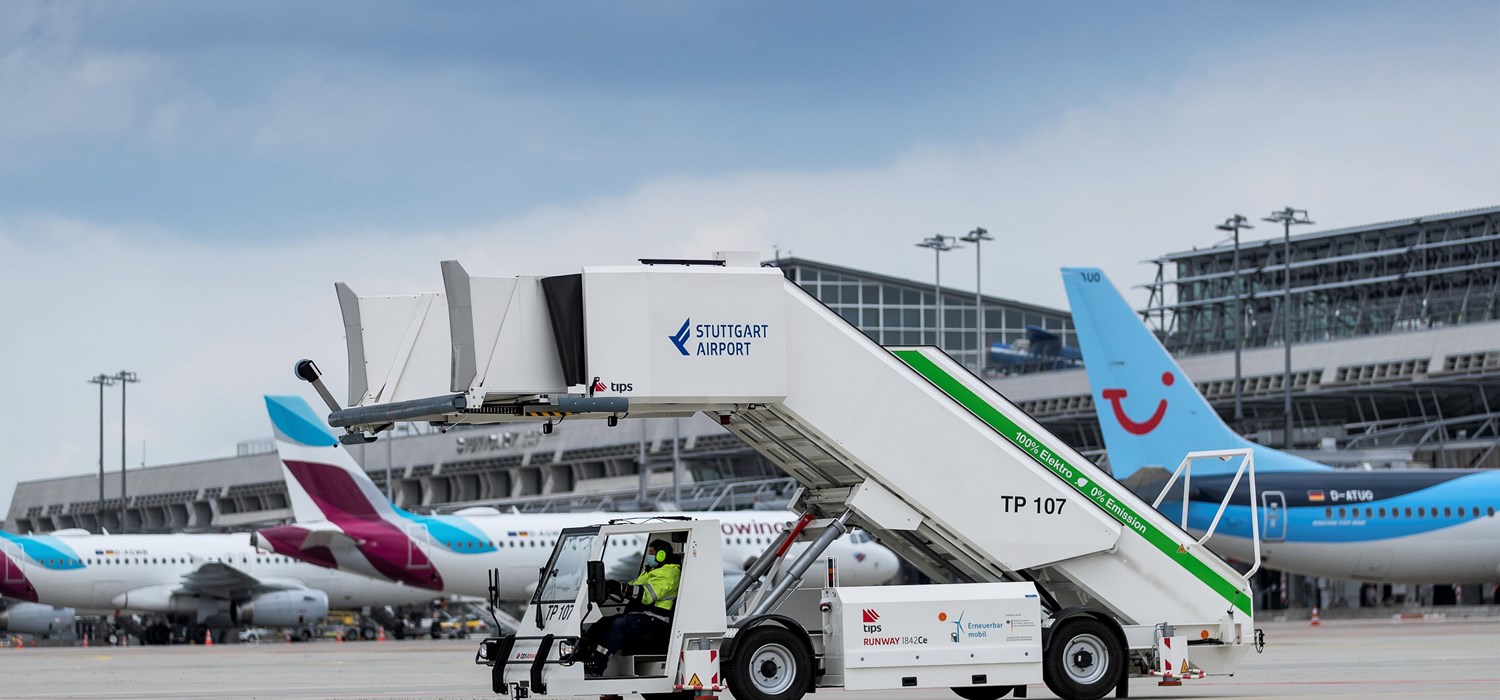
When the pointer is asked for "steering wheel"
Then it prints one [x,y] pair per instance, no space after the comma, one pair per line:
[616,593]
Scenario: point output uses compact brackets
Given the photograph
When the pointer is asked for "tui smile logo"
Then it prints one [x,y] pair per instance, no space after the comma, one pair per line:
[680,338]
[1132,426]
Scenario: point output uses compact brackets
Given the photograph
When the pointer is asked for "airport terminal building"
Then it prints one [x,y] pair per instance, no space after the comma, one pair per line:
[1395,363]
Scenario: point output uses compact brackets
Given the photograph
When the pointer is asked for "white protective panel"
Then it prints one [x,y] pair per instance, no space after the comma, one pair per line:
[406,347]
[687,334]
[513,338]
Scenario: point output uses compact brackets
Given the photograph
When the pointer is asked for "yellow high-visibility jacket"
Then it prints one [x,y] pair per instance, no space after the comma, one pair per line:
[659,585]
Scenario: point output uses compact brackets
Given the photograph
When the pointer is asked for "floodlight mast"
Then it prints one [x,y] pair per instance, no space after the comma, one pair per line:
[1286,217]
[103,380]
[939,244]
[1235,223]
[978,236]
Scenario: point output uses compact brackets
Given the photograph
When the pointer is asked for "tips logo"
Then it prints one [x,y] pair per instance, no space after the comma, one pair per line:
[599,385]
[680,338]
[871,616]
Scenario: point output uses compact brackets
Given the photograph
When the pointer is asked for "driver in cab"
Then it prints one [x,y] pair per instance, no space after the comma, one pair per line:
[648,612]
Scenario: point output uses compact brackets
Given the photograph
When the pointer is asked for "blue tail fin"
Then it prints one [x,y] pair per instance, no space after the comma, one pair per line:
[1149,411]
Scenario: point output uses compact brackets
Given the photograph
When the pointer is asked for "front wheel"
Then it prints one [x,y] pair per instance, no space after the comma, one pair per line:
[1084,660]
[770,663]
[983,692]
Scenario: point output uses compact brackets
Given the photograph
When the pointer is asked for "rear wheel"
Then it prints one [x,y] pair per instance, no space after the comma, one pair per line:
[983,692]
[1084,660]
[770,663]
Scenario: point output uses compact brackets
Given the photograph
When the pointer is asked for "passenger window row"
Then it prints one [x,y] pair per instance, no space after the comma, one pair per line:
[1419,512]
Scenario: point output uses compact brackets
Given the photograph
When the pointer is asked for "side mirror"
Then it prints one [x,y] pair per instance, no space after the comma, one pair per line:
[596,580]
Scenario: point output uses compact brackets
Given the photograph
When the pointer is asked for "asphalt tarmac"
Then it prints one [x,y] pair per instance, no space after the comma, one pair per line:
[1339,659]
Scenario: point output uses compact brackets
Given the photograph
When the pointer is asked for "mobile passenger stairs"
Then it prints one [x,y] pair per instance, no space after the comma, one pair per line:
[901,442]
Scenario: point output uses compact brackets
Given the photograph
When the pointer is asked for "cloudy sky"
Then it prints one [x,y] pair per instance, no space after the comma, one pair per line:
[181,183]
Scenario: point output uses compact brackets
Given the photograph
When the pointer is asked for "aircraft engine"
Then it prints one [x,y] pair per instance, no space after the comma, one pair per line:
[32,618]
[281,608]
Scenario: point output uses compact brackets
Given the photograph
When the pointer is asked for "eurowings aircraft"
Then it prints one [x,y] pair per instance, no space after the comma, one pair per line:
[205,580]
[344,522]
[1399,526]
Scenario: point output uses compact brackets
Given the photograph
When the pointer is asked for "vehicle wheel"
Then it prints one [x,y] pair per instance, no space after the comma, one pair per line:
[367,633]
[1084,660]
[304,635]
[983,692]
[399,632]
[436,630]
[158,634]
[769,663]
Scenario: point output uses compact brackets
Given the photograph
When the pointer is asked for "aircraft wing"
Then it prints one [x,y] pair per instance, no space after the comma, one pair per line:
[220,580]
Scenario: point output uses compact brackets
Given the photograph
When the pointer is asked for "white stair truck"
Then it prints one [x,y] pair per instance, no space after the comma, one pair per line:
[901,442]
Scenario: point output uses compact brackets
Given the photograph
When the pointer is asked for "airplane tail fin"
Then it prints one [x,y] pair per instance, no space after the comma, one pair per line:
[1149,411]
[322,478]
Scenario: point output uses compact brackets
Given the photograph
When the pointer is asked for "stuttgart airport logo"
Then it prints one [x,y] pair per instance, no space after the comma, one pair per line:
[735,339]
[680,338]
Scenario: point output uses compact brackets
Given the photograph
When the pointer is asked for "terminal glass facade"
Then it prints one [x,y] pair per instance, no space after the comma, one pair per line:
[893,311]
[1413,274]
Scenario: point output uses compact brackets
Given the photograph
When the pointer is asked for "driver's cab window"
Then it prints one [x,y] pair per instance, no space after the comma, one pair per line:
[567,570]
[625,560]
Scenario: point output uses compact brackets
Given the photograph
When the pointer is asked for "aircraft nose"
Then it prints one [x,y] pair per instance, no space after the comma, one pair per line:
[887,563]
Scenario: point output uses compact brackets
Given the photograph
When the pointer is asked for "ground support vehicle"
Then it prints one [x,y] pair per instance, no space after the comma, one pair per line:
[903,443]
[982,638]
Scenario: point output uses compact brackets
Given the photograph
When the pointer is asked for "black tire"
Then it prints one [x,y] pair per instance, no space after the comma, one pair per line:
[1083,660]
[304,635]
[367,633]
[770,663]
[158,634]
[980,692]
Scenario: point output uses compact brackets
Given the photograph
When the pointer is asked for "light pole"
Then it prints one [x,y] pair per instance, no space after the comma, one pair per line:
[1235,223]
[977,236]
[124,378]
[103,380]
[939,244]
[1286,217]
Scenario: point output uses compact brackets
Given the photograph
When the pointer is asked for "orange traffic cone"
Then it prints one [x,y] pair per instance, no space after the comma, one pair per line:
[20,643]
[85,641]
[1315,620]
[340,636]
[208,639]
[380,634]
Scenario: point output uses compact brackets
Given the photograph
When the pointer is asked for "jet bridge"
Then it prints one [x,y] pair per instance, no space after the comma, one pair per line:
[902,442]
